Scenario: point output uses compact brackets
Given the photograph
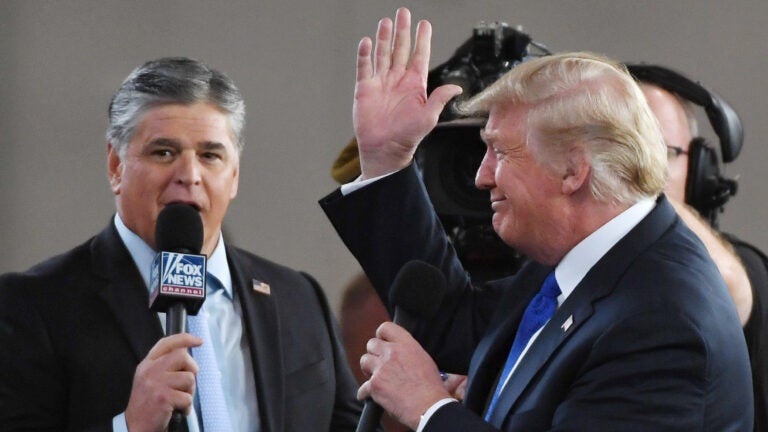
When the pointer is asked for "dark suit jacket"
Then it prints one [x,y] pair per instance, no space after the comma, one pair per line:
[648,341]
[74,328]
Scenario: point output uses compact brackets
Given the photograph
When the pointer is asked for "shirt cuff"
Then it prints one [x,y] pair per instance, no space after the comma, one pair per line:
[119,424]
[348,188]
[431,410]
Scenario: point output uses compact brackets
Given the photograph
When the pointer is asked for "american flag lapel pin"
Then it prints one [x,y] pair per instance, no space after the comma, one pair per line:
[261,287]
[567,323]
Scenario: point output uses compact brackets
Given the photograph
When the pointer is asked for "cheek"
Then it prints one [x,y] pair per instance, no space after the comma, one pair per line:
[509,183]
[678,169]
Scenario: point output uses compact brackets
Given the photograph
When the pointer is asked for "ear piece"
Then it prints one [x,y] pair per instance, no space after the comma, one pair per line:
[705,189]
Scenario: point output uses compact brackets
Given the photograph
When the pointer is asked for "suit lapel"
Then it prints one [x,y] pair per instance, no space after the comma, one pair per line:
[578,307]
[124,292]
[566,320]
[262,327]
[492,351]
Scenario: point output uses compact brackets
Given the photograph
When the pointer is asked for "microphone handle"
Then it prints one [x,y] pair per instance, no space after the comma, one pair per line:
[371,416]
[176,319]
[175,323]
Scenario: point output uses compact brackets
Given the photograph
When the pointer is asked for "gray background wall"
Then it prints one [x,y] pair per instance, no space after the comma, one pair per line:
[294,60]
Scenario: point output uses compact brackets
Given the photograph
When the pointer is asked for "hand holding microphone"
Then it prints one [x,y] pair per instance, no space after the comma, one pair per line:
[165,379]
[404,379]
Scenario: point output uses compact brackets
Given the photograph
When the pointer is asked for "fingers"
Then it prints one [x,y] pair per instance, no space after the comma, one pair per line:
[364,391]
[456,385]
[389,331]
[182,380]
[422,50]
[391,54]
[183,384]
[382,51]
[402,45]
[364,63]
[170,343]
[371,359]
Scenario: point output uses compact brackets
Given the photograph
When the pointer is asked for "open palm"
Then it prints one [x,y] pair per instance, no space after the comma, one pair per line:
[391,111]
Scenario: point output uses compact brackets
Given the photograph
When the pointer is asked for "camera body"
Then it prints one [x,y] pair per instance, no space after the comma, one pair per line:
[450,155]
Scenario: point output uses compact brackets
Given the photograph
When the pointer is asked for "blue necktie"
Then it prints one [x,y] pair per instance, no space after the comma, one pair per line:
[214,409]
[538,312]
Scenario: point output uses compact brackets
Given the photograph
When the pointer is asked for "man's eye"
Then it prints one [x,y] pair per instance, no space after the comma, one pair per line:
[211,156]
[162,153]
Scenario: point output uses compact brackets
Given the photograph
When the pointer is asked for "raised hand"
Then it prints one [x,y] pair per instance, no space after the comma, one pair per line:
[391,111]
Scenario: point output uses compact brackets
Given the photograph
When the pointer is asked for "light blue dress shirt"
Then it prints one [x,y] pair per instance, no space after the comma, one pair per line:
[225,324]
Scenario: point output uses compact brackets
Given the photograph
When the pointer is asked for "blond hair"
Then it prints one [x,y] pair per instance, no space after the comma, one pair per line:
[587,100]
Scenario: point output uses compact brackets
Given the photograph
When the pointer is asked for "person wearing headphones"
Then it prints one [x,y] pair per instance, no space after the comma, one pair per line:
[692,164]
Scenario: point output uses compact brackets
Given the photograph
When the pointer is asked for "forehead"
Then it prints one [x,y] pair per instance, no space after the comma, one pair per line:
[661,101]
[505,121]
[670,114]
[193,123]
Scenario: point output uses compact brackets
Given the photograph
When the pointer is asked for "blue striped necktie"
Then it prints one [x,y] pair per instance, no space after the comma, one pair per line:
[539,311]
[212,404]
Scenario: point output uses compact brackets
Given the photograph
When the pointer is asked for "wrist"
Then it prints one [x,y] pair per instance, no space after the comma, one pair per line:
[374,168]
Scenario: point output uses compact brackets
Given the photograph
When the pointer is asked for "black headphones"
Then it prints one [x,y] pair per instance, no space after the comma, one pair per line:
[706,189]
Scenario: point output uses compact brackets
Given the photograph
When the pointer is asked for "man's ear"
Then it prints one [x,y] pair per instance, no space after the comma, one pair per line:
[235,183]
[577,171]
[114,169]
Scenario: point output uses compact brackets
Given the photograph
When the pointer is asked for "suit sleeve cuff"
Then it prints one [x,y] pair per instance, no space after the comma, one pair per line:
[431,410]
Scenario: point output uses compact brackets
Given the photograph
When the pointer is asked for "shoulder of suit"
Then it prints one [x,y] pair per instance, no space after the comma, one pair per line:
[56,265]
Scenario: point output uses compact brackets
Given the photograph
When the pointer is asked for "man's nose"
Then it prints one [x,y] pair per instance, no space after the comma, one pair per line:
[188,170]
[484,179]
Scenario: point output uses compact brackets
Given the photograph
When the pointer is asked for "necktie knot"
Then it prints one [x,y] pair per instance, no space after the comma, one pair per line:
[212,283]
[550,288]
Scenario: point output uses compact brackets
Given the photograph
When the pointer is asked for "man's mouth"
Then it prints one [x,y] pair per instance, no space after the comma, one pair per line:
[191,204]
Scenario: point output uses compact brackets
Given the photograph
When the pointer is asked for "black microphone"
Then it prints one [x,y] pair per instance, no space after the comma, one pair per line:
[178,273]
[417,293]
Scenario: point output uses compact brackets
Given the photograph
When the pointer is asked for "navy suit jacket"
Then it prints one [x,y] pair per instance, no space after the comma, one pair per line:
[648,341]
[74,328]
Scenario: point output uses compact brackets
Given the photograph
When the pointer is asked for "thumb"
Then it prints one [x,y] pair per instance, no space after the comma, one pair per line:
[441,95]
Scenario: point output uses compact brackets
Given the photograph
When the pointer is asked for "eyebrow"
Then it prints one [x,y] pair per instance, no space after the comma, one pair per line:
[164,142]
[486,136]
[170,142]
[212,145]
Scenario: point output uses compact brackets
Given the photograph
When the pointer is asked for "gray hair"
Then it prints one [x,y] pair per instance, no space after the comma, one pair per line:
[171,80]
[589,101]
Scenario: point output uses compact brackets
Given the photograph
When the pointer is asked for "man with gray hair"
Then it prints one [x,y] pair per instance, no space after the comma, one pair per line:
[82,351]
[620,321]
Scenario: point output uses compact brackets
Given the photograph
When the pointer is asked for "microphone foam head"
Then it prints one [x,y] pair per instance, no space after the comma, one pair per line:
[179,228]
[418,289]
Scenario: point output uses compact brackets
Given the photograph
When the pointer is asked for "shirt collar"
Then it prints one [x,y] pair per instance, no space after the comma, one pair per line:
[143,256]
[579,260]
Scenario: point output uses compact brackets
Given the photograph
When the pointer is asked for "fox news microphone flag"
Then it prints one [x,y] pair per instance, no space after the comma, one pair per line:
[178,272]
